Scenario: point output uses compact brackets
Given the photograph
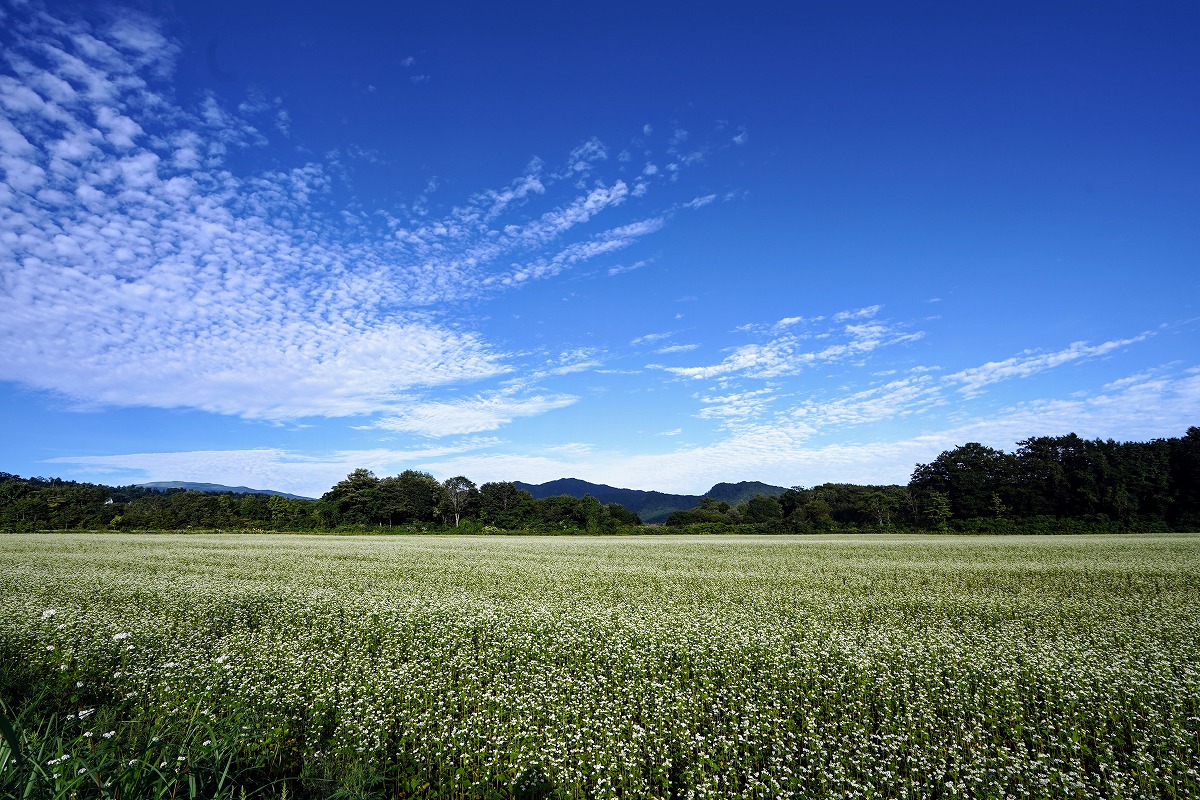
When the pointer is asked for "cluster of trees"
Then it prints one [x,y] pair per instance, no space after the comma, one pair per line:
[1049,484]
[415,498]
[56,504]
[1099,483]
[831,506]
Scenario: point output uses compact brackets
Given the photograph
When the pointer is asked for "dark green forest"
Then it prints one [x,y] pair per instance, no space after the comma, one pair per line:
[1050,484]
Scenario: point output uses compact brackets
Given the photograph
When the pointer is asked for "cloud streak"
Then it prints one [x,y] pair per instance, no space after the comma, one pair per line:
[787,353]
[471,415]
[142,271]
[974,379]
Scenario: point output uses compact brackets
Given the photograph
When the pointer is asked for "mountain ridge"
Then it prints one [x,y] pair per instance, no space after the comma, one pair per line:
[216,488]
[651,506]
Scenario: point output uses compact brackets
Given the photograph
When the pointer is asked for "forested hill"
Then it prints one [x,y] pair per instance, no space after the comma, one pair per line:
[651,506]
[215,488]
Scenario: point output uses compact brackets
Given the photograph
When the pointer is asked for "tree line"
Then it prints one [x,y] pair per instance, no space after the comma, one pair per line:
[415,498]
[412,499]
[1047,485]
[1144,486]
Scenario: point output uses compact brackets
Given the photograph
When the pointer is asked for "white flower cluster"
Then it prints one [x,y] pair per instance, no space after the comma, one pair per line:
[662,666]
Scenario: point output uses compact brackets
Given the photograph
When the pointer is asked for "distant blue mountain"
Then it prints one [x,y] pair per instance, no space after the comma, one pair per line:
[216,488]
[650,506]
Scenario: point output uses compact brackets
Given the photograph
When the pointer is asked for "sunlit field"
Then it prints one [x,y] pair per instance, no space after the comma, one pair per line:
[633,667]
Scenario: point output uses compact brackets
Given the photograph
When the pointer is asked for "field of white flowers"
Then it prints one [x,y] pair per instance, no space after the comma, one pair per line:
[631,667]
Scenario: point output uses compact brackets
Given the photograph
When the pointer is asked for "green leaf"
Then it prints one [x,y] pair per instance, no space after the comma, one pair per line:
[10,736]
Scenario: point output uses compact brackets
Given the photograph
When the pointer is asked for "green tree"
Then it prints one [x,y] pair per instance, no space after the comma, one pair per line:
[936,511]
[1184,460]
[504,505]
[793,500]
[459,496]
[621,516]
[818,514]
[968,475]
[561,511]
[423,495]
[357,500]
[881,506]
[591,510]
[762,510]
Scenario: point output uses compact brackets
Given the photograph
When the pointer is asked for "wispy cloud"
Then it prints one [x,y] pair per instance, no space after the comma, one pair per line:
[736,407]
[144,271]
[787,354]
[1030,363]
[651,338]
[623,268]
[898,398]
[470,415]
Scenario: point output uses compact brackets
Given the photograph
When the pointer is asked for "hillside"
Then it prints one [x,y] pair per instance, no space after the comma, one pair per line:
[652,507]
[215,488]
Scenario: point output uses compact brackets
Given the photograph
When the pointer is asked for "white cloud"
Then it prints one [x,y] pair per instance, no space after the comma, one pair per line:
[788,322]
[787,355]
[898,398]
[143,271]
[736,407]
[470,415]
[1031,363]
[623,268]
[650,338]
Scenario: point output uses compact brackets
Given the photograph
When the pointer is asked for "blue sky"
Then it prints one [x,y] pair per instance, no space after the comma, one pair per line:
[650,246]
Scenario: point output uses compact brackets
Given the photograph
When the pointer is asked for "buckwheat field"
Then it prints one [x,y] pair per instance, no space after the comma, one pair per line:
[630,667]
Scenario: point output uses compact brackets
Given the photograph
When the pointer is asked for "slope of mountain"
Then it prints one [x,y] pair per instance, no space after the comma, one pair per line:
[738,493]
[652,507]
[216,488]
